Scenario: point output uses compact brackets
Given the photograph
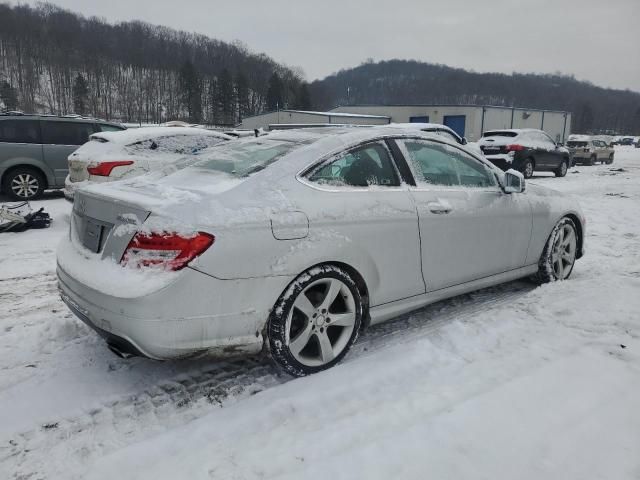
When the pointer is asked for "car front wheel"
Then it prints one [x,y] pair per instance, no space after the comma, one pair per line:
[315,321]
[559,254]
[562,169]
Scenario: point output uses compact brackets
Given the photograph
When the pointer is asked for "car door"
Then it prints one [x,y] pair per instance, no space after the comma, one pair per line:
[469,228]
[60,139]
[555,156]
[357,198]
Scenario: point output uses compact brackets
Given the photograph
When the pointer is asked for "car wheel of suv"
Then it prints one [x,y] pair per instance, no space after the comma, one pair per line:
[610,159]
[23,183]
[559,254]
[527,168]
[315,321]
[562,169]
[592,160]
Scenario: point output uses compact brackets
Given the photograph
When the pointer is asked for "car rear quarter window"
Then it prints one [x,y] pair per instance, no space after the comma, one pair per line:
[365,166]
[66,133]
[20,131]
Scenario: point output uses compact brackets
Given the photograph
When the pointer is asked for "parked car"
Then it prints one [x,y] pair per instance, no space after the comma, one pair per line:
[587,150]
[298,240]
[525,150]
[113,156]
[626,141]
[34,150]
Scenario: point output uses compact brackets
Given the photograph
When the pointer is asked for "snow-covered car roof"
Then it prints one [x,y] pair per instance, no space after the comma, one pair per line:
[579,138]
[517,131]
[127,137]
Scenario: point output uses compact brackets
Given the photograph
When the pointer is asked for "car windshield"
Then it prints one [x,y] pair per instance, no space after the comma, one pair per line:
[500,133]
[576,144]
[241,158]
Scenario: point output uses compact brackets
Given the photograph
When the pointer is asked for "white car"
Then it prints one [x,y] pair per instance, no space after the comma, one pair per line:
[296,241]
[110,156]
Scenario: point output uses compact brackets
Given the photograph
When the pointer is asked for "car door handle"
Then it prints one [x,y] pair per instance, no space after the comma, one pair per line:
[439,208]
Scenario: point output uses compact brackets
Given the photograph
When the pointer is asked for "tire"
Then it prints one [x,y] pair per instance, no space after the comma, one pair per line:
[562,169]
[553,264]
[592,160]
[527,168]
[610,159]
[23,183]
[305,334]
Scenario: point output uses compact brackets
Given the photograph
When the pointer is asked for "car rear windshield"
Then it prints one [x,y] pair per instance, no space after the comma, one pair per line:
[241,158]
[500,134]
[576,144]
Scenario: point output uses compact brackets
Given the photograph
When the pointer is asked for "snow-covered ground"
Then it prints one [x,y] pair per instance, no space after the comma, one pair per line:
[510,382]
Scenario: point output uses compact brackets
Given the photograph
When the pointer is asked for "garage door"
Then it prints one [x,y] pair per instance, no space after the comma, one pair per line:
[456,123]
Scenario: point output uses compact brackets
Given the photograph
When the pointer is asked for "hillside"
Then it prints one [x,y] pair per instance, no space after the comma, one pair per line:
[405,81]
[55,61]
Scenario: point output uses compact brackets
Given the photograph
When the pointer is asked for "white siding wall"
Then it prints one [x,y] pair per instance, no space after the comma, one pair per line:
[284,116]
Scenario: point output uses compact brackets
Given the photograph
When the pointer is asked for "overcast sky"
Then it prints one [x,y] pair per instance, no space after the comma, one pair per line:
[596,40]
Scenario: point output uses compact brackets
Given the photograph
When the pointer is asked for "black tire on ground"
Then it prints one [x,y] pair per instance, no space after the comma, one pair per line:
[562,169]
[278,336]
[546,273]
[610,159]
[526,171]
[592,160]
[23,183]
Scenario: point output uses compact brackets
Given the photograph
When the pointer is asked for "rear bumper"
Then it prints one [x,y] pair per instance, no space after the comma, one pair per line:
[196,314]
[504,161]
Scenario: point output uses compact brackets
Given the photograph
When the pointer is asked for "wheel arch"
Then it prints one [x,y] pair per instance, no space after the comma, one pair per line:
[29,165]
[576,220]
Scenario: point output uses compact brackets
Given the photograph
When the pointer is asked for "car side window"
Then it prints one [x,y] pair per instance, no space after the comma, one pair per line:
[20,131]
[66,133]
[363,166]
[109,128]
[438,164]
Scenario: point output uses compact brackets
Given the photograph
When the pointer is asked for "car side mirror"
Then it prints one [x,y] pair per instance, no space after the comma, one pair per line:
[513,181]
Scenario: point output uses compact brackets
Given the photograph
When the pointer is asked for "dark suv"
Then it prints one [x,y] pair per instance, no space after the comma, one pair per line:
[34,150]
[525,150]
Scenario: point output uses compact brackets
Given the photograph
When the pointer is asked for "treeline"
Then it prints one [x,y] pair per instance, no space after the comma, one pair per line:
[55,61]
[595,109]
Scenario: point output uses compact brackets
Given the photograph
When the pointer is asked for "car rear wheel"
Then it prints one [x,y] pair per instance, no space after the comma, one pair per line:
[562,169]
[610,159]
[315,321]
[592,160]
[528,168]
[23,183]
[559,254]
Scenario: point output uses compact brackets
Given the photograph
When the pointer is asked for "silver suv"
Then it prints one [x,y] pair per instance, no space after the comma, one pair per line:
[590,150]
[34,150]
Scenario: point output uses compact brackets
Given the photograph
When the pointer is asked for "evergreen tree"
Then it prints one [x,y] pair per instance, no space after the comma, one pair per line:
[242,94]
[303,97]
[275,93]
[191,91]
[227,97]
[8,96]
[80,95]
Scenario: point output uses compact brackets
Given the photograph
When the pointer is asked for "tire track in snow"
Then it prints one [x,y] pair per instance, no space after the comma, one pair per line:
[182,398]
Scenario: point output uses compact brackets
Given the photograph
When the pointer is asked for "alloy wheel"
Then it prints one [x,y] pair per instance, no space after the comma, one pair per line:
[563,254]
[321,322]
[528,169]
[25,185]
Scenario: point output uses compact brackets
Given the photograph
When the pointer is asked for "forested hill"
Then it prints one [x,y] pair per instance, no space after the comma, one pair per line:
[405,82]
[55,61]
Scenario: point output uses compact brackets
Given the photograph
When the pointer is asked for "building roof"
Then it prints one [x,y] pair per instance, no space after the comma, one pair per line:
[324,114]
[465,105]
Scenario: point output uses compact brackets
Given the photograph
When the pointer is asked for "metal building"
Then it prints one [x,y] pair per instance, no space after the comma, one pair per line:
[471,120]
[296,117]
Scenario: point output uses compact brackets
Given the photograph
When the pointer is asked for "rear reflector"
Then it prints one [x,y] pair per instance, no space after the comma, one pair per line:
[514,148]
[103,169]
[168,250]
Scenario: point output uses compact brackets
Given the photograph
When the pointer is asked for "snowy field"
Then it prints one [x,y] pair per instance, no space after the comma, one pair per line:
[514,382]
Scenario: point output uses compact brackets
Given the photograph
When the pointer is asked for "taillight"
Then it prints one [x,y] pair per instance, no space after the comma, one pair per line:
[166,250]
[103,169]
[514,148]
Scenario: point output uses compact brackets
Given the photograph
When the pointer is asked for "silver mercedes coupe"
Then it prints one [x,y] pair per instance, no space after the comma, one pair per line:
[293,242]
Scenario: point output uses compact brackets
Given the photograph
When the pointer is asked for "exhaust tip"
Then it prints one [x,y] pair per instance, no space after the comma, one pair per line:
[122,353]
